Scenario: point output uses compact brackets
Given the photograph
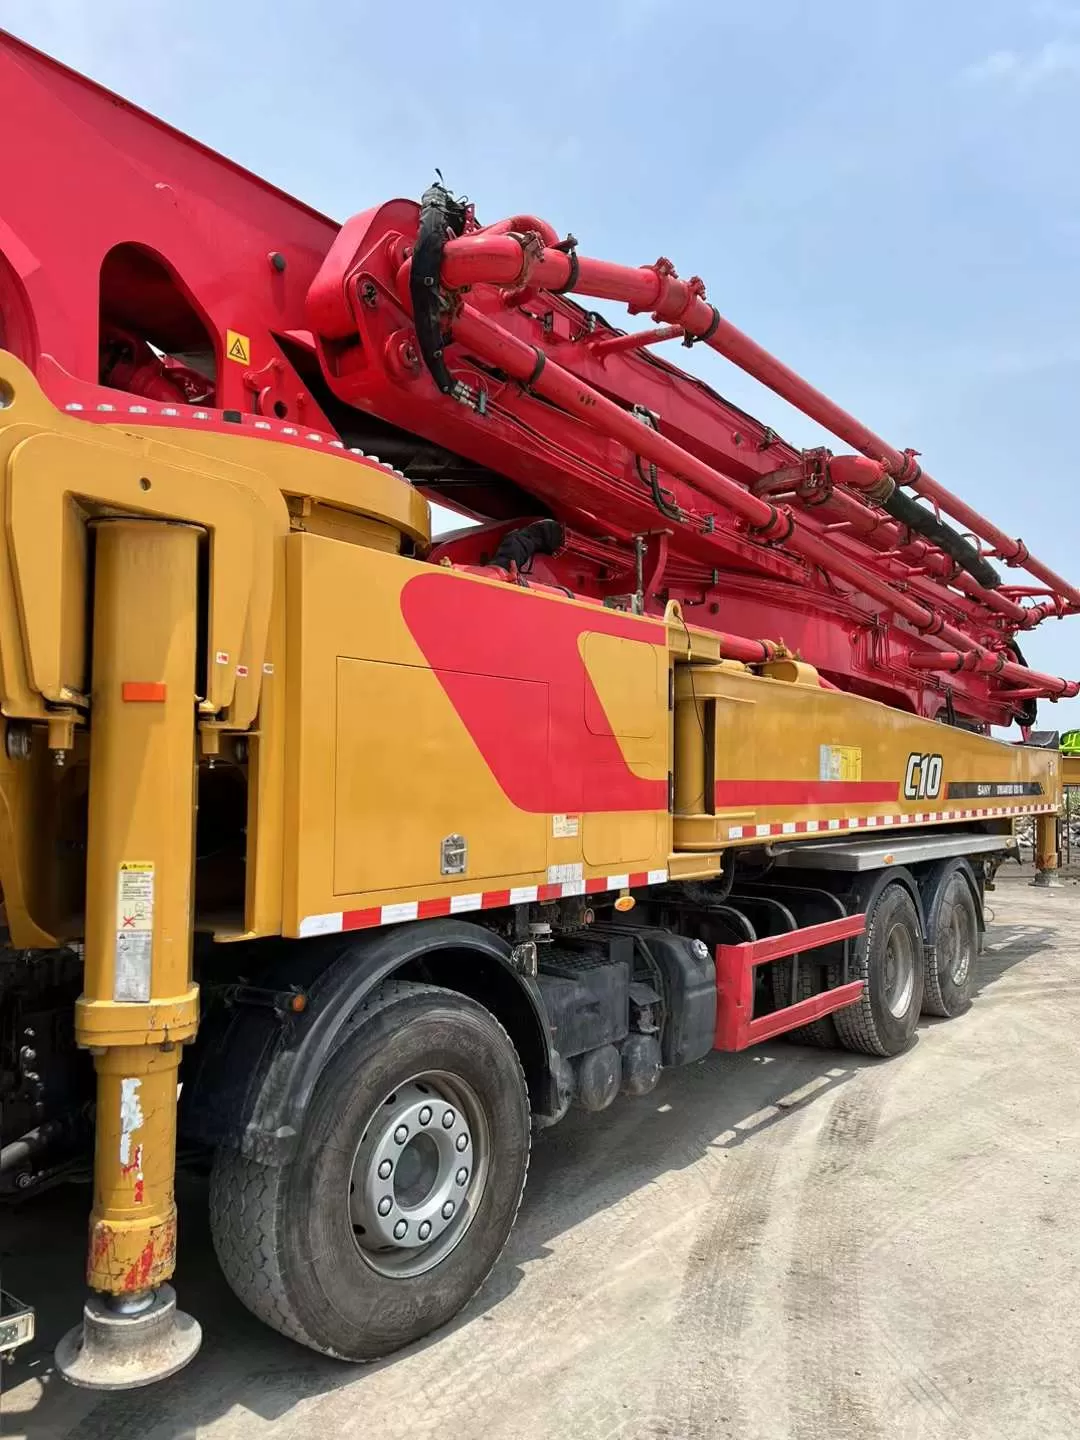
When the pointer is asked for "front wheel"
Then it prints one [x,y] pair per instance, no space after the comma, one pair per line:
[404,1187]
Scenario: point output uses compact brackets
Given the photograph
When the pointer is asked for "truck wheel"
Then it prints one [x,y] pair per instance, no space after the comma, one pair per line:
[889,963]
[954,934]
[403,1189]
[812,980]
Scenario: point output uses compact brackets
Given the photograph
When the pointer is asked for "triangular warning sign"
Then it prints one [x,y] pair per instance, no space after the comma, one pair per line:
[238,347]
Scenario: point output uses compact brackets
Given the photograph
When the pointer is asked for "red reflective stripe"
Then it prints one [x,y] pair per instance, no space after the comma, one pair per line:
[596,884]
[493,899]
[548,892]
[429,909]
[361,919]
[639,877]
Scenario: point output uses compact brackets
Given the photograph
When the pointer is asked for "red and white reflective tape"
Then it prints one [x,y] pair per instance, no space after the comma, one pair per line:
[340,920]
[871,822]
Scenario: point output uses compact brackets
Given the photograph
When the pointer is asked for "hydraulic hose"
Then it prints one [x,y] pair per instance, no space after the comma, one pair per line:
[440,217]
[872,479]
[901,506]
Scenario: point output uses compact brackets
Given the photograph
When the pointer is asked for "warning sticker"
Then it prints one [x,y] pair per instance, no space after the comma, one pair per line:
[565,874]
[565,827]
[840,762]
[238,347]
[134,930]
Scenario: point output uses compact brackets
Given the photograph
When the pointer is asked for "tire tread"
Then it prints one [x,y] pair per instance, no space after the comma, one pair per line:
[855,1024]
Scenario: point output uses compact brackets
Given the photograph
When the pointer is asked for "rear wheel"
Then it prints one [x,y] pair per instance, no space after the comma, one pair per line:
[954,937]
[812,979]
[889,963]
[404,1187]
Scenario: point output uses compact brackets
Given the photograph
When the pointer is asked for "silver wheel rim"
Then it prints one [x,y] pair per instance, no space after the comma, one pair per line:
[418,1174]
[958,945]
[899,969]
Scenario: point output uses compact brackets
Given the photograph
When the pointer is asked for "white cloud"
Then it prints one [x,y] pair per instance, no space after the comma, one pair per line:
[1028,71]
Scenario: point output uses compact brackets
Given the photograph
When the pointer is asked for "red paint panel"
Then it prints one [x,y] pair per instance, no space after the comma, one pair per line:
[804,792]
[479,637]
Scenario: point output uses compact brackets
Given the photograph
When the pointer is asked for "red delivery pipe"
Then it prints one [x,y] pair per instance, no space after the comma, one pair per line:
[987,662]
[531,367]
[500,259]
[636,340]
[524,225]
[750,652]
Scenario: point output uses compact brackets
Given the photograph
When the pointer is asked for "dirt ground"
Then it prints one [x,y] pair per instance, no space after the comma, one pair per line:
[783,1245]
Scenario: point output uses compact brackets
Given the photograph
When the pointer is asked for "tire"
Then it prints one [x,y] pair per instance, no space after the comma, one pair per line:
[889,963]
[954,936]
[812,980]
[304,1245]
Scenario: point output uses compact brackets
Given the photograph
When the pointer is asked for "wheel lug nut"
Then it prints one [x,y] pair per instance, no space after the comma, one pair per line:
[461,1176]
[401,1134]
[425,1115]
[400,1228]
[448,1210]
[448,1119]
[425,1229]
[385,1169]
[385,1205]
[462,1142]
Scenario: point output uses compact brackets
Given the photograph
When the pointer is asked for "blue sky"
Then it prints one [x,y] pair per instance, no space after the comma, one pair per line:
[884,192]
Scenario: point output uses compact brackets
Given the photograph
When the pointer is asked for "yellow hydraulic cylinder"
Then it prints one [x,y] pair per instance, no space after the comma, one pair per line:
[1046,857]
[139,1002]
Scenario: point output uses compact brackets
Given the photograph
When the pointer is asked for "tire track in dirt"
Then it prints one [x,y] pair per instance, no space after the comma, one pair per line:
[828,1353]
[702,1396]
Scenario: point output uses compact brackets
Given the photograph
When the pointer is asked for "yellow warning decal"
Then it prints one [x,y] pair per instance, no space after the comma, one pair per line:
[238,347]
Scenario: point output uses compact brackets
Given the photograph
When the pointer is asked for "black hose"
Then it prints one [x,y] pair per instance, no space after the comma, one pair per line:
[1027,713]
[660,499]
[909,512]
[440,216]
[542,537]
[34,1142]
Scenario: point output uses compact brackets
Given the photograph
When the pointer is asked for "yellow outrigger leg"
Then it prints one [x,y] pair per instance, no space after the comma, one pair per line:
[138,1003]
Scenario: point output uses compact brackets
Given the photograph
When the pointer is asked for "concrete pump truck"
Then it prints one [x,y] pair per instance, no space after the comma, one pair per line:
[356,856]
